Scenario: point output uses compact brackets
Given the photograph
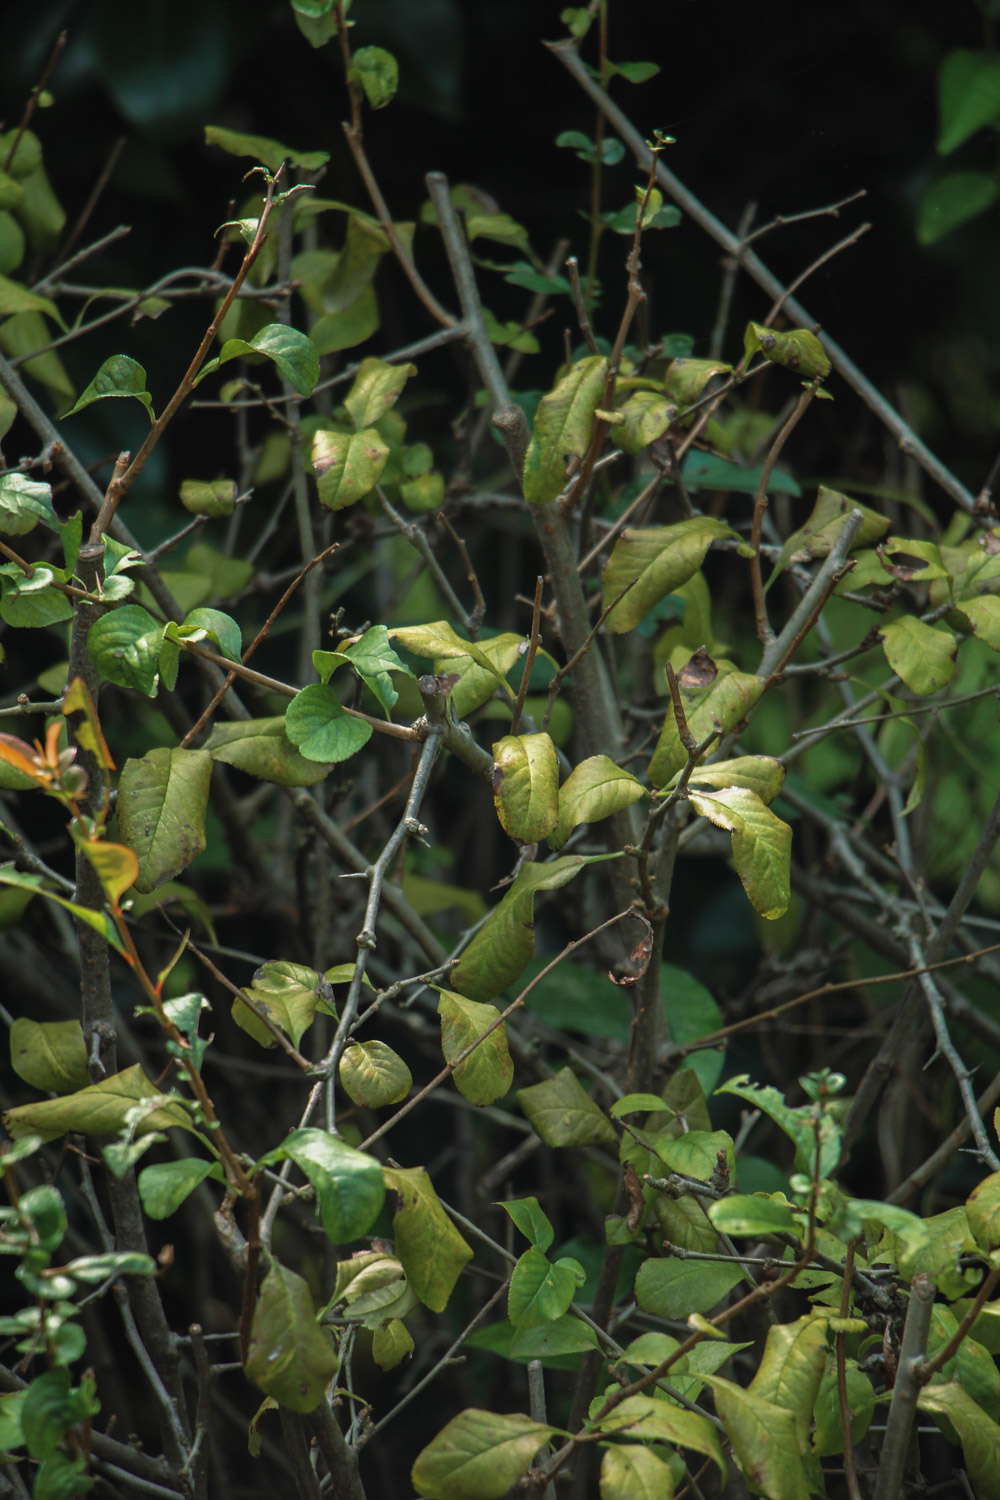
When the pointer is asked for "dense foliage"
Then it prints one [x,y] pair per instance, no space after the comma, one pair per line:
[496,913]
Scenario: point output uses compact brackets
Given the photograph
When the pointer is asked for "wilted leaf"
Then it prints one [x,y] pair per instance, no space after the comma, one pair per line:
[290,1356]
[561,1111]
[486,1073]
[563,424]
[373,1075]
[478,1456]
[525,786]
[428,1244]
[162,805]
[654,562]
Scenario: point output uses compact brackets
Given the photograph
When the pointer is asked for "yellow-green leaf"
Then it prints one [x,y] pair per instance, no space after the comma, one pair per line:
[562,429]
[525,786]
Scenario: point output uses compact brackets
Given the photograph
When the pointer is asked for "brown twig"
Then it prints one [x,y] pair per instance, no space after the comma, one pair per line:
[696,211]
[582,316]
[529,660]
[32,104]
[764,632]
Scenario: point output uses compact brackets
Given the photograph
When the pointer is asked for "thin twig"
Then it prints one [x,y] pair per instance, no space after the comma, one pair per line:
[529,660]
[764,632]
[904,434]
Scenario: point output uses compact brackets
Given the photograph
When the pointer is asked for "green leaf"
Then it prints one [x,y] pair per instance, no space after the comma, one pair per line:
[27,880]
[23,503]
[525,786]
[562,428]
[647,415]
[100,1109]
[983,614]
[764,775]
[320,727]
[977,1433]
[428,1244]
[208,497]
[593,790]
[373,1075]
[391,1344]
[922,655]
[631,1472]
[816,536]
[124,646]
[722,705]
[486,1073]
[952,200]
[378,74]
[541,1291]
[348,465]
[695,1153]
[288,992]
[478,1456]
[764,1439]
[982,1207]
[563,1114]
[375,389]
[551,1342]
[656,1420]
[481,666]
[348,1183]
[762,845]
[164,1186]
[675,1288]
[634,1104]
[270,153]
[118,376]
[798,349]
[47,1412]
[372,1288]
[162,805]
[828,1433]
[803,1125]
[44,1209]
[708,471]
[293,353]
[943,1238]
[290,1356]
[791,1369]
[50,1055]
[529,1217]
[32,602]
[758,1214]
[652,563]
[506,941]
[635,72]
[686,379]
[15,298]
[968,96]
[261,748]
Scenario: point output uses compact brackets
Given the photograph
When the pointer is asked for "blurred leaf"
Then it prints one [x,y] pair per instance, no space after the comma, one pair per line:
[50,1055]
[953,199]
[563,1113]
[968,96]
[270,153]
[261,748]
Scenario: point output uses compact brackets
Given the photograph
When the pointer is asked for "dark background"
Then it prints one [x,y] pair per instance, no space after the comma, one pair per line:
[792,106]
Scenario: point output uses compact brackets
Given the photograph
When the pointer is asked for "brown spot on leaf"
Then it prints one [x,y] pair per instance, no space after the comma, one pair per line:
[699,671]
